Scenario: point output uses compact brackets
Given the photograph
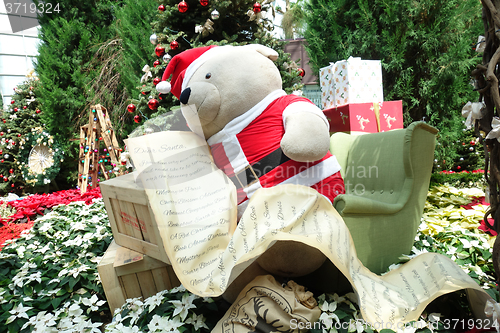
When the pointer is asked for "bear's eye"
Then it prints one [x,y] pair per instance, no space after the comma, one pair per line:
[208,76]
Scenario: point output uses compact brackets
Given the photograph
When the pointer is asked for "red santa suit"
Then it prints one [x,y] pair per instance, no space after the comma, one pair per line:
[248,150]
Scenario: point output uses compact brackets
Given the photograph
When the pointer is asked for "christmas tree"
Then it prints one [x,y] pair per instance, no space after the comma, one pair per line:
[27,153]
[180,25]
[426,50]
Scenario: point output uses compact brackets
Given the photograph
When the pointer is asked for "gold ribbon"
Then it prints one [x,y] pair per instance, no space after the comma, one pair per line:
[376,110]
[148,74]
[205,29]
[289,67]
[254,16]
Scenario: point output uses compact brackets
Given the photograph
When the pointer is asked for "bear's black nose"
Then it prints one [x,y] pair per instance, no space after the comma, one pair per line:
[185,95]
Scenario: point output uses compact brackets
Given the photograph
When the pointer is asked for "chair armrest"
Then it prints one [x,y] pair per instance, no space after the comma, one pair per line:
[340,144]
[352,204]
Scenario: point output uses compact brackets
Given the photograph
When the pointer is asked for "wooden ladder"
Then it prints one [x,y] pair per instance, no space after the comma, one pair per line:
[93,136]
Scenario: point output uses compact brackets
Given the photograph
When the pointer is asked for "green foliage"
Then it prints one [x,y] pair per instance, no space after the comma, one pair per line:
[458,179]
[54,267]
[70,40]
[425,48]
[131,51]
[18,120]
[235,26]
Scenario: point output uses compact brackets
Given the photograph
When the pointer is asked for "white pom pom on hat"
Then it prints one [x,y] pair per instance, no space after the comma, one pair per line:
[163,87]
[177,68]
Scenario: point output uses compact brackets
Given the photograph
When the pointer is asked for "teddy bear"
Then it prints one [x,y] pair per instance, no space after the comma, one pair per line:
[258,135]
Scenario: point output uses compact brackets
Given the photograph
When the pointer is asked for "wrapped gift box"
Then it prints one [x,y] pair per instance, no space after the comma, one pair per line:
[357,81]
[360,118]
[128,274]
[351,81]
[327,87]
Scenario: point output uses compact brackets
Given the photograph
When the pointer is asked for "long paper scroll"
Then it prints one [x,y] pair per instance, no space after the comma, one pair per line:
[194,204]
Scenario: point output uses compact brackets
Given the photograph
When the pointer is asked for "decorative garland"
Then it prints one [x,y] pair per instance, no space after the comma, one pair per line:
[45,157]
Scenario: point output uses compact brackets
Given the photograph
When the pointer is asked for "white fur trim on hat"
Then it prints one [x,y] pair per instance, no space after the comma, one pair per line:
[213,52]
[163,87]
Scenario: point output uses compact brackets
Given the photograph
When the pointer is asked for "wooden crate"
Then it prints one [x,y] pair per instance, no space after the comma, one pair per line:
[128,274]
[131,218]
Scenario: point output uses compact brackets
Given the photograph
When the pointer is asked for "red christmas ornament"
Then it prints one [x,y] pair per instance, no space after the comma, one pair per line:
[131,108]
[16,109]
[257,7]
[473,143]
[12,185]
[204,3]
[124,162]
[19,135]
[160,51]
[11,171]
[301,71]
[12,102]
[156,80]
[1,133]
[2,160]
[38,111]
[153,104]
[156,63]
[5,179]
[137,118]
[183,6]
[161,8]
[25,107]
[174,45]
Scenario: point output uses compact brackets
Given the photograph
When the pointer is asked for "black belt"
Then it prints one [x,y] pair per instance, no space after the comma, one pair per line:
[251,173]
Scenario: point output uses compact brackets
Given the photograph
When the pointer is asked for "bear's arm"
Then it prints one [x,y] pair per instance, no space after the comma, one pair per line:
[306,138]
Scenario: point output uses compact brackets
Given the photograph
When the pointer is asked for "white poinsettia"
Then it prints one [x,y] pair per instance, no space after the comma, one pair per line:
[19,311]
[182,307]
[93,303]
[153,301]
[198,321]
[42,322]
[173,325]
[328,316]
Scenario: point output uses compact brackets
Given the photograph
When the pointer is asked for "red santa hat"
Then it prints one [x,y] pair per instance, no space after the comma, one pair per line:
[182,67]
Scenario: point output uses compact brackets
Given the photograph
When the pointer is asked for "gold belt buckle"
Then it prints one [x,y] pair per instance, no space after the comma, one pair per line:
[244,171]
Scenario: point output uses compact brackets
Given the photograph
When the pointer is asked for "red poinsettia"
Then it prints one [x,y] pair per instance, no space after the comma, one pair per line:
[13,231]
[484,227]
[36,204]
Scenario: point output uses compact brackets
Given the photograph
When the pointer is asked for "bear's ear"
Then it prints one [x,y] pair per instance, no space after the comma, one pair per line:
[264,50]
